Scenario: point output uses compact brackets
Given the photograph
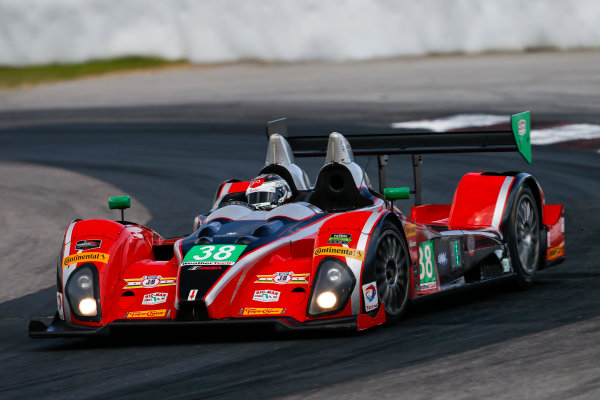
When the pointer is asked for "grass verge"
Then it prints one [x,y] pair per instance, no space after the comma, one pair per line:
[11,77]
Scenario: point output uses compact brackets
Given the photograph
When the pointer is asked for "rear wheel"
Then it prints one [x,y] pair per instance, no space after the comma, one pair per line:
[524,237]
[392,271]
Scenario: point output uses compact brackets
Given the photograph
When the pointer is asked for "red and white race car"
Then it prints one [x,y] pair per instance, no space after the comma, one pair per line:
[334,255]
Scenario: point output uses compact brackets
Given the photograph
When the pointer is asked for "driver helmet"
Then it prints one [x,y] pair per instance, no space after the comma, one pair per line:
[268,191]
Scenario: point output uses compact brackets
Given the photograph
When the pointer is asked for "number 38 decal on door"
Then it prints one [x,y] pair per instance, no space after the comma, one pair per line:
[426,266]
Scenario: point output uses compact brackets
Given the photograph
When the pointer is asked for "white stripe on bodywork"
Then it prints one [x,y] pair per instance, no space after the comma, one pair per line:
[356,265]
[66,271]
[224,191]
[253,257]
[501,201]
[177,249]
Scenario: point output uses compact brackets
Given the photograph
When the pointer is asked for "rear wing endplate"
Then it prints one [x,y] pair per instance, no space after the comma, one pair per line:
[516,137]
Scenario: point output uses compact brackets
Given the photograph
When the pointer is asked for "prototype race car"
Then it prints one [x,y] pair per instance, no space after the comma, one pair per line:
[334,255]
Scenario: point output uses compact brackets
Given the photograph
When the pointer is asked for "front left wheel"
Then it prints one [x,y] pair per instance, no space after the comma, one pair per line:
[392,271]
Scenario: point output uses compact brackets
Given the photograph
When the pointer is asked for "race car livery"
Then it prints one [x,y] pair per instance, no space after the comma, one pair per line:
[336,254]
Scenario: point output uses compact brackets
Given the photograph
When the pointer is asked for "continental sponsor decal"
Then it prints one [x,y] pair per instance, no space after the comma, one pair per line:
[555,252]
[253,311]
[410,230]
[84,257]
[147,314]
[282,278]
[149,281]
[340,252]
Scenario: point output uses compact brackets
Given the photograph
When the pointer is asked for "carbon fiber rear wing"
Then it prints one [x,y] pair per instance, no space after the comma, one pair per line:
[516,137]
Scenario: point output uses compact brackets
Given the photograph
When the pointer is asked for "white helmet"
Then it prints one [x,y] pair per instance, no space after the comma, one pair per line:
[268,191]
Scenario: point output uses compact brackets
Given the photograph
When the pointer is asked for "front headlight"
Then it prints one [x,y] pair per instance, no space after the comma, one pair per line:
[327,300]
[332,287]
[88,307]
[83,293]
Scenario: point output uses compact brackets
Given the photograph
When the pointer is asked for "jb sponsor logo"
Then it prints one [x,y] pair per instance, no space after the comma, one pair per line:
[340,252]
[83,257]
[147,314]
[253,311]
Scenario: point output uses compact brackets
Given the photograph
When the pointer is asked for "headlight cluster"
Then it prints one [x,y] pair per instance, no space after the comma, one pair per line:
[83,293]
[332,287]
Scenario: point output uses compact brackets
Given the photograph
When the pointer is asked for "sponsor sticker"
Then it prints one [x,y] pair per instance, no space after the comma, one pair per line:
[410,230]
[556,252]
[442,258]
[254,183]
[412,243]
[146,314]
[340,252]
[59,305]
[213,254]
[192,295]
[426,266]
[154,298]
[370,296]
[253,311]
[149,281]
[266,296]
[282,278]
[340,238]
[522,127]
[205,268]
[505,265]
[88,244]
[84,257]
[258,185]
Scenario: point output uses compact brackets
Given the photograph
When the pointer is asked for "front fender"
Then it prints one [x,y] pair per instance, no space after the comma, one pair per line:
[118,252]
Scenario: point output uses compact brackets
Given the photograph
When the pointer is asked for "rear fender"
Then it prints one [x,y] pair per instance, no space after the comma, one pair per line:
[484,199]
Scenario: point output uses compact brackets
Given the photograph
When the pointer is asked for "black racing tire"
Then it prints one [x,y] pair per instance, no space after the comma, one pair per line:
[524,237]
[392,271]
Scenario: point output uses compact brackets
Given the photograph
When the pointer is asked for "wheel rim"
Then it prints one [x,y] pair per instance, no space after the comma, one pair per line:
[391,272]
[527,234]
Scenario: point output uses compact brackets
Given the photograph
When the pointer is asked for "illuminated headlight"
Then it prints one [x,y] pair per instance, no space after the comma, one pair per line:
[326,300]
[83,294]
[88,307]
[332,287]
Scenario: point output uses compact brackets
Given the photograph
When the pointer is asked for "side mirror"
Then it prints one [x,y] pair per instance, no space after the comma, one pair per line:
[400,193]
[119,203]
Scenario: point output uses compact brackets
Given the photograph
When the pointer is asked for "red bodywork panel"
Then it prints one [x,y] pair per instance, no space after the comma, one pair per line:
[475,199]
[301,258]
[431,214]
[554,220]
[129,255]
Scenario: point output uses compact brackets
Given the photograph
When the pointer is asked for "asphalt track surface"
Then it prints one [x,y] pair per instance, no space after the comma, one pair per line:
[487,343]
